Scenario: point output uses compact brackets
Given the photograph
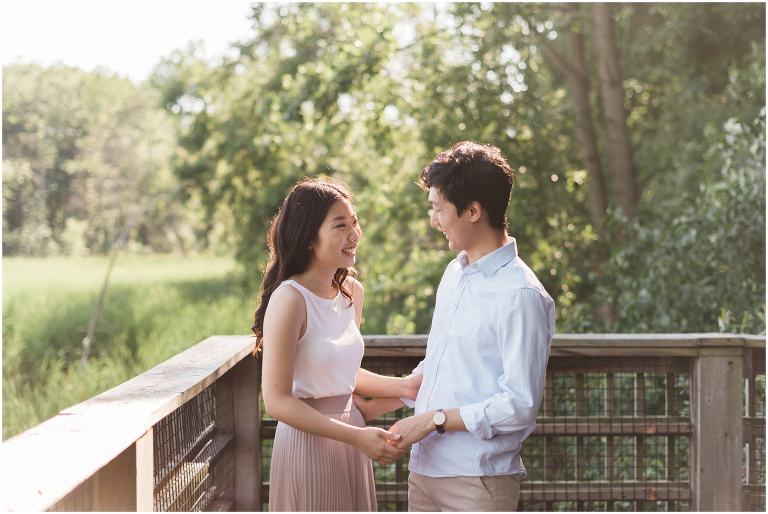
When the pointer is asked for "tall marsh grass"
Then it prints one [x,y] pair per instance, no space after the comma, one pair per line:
[155,307]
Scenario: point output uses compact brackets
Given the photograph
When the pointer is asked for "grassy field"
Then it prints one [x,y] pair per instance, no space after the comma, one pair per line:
[155,307]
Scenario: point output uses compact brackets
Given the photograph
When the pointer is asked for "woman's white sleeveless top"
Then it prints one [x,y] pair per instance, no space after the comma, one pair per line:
[329,353]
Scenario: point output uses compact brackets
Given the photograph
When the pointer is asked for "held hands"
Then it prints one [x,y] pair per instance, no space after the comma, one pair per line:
[378,444]
[385,447]
[412,430]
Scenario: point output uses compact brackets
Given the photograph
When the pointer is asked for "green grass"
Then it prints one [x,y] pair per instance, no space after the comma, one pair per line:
[155,307]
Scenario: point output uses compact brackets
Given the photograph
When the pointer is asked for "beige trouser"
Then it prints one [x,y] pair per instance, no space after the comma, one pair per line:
[462,494]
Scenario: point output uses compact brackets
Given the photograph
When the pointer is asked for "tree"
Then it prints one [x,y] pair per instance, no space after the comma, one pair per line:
[371,93]
[85,154]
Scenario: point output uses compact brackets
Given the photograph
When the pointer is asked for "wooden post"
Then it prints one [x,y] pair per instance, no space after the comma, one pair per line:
[127,482]
[145,472]
[580,454]
[114,486]
[717,438]
[246,385]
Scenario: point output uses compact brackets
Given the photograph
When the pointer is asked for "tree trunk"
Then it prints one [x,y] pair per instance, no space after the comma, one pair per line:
[573,67]
[624,190]
[578,84]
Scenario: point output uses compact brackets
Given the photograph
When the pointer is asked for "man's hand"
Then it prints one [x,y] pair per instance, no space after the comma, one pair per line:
[412,429]
[411,386]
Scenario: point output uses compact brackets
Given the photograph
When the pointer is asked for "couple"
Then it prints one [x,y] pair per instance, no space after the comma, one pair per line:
[477,390]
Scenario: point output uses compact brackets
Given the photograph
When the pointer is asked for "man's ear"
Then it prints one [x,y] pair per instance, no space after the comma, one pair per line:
[475,211]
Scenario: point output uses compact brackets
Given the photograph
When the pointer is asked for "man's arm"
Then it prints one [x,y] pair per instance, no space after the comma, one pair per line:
[525,333]
[415,428]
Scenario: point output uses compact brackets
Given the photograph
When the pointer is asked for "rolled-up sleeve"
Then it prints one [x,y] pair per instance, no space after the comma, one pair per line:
[418,370]
[525,328]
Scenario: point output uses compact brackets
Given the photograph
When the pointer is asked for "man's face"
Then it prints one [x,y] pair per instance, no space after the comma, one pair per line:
[443,216]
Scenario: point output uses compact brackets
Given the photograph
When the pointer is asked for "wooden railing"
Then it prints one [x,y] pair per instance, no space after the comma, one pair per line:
[652,421]
[128,448]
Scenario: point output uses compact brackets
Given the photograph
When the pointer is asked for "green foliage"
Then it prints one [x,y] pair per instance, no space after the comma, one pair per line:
[369,93]
[310,96]
[691,265]
[85,156]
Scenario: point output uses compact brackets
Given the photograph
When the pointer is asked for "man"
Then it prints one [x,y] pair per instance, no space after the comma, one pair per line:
[483,373]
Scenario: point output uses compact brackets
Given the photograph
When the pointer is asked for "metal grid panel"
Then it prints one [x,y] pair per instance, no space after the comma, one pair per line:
[753,477]
[267,435]
[612,435]
[221,497]
[193,455]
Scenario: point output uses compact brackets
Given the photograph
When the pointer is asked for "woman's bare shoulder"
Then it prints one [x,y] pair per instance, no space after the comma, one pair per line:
[358,291]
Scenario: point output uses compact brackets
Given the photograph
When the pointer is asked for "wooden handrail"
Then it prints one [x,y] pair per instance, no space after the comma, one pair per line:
[44,463]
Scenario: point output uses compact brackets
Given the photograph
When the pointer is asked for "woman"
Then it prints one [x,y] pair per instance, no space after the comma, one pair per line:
[308,326]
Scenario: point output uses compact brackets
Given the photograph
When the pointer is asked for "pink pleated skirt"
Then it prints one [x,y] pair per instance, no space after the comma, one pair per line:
[314,473]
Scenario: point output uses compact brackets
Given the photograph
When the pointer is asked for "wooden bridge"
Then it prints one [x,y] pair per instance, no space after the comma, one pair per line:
[628,422]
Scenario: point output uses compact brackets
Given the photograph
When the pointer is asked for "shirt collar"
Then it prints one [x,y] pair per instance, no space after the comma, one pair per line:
[491,262]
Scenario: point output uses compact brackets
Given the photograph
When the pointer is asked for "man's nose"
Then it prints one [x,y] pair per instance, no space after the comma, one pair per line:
[433,219]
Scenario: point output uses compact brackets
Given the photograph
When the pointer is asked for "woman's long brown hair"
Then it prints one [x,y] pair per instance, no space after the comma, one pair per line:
[291,233]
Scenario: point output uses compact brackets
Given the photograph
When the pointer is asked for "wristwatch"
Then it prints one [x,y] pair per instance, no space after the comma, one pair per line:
[439,420]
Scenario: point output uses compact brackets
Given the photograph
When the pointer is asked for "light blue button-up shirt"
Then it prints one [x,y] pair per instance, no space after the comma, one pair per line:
[487,355]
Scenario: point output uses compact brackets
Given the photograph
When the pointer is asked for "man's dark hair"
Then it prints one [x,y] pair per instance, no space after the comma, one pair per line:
[470,172]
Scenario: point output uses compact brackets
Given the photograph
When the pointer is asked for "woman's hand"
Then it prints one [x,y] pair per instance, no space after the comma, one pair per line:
[411,386]
[373,442]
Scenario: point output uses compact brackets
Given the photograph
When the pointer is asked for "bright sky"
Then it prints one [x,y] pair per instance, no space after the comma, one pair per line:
[128,37]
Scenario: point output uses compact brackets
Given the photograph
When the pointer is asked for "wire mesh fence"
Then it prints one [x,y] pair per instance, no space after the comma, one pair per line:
[753,466]
[613,434]
[193,454]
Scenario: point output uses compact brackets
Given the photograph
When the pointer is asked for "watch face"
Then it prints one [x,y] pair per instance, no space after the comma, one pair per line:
[439,418]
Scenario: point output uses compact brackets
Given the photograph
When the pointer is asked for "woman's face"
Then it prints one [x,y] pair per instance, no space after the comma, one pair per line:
[336,242]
